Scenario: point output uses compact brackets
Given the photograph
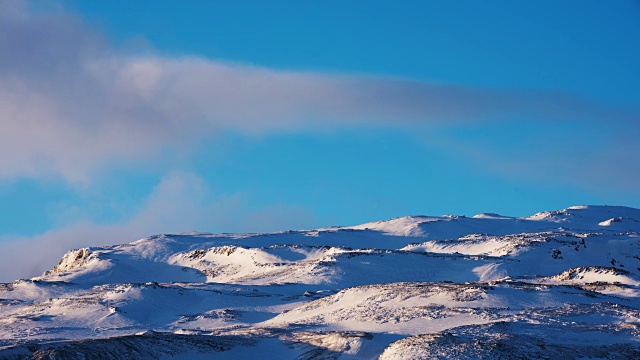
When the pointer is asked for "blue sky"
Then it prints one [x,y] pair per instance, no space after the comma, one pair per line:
[123,119]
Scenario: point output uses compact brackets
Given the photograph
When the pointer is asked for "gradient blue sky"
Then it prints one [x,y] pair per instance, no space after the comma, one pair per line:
[122,119]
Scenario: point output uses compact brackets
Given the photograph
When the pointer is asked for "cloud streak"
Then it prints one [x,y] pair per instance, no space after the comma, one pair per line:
[71,103]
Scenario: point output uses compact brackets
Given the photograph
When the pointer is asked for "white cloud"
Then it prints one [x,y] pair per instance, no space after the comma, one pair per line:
[181,202]
[72,105]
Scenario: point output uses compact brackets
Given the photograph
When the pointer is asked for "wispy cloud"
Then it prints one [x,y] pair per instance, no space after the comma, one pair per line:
[181,202]
[71,103]
[597,157]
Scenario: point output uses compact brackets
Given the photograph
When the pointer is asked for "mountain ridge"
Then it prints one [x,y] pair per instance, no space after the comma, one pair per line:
[408,285]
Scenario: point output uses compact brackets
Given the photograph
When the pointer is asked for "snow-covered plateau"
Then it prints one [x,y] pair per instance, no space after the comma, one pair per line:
[557,285]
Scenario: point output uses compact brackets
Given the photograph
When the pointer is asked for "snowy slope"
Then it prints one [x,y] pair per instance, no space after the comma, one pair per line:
[555,283]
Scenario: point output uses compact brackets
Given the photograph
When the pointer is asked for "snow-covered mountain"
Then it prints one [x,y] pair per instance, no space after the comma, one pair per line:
[559,284]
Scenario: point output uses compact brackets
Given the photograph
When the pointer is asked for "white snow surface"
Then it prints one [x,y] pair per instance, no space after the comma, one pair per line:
[557,284]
